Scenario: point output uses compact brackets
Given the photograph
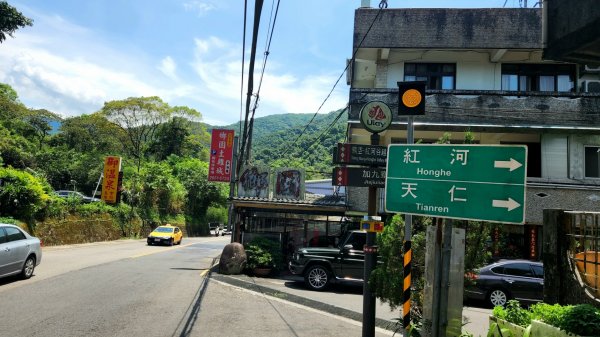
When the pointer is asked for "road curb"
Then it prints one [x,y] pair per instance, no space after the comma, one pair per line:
[252,286]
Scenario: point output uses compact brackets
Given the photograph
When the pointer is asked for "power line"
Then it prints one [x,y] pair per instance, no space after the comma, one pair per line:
[382,5]
[328,127]
[243,64]
[257,11]
[266,53]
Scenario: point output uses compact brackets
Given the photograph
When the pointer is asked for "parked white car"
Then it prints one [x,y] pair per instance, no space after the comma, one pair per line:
[20,252]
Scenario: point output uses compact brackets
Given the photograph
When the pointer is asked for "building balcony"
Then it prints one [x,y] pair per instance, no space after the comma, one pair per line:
[492,111]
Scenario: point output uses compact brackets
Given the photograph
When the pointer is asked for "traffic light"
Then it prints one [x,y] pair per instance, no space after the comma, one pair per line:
[411,98]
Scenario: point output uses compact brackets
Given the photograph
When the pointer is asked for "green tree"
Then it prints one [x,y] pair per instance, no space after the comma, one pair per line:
[22,195]
[216,214]
[161,194]
[140,118]
[170,138]
[38,121]
[15,150]
[201,194]
[11,20]
[70,169]
[8,92]
[90,133]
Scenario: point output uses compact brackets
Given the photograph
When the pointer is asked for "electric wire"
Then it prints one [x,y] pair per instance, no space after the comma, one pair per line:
[328,127]
[382,5]
[271,29]
[243,64]
[257,11]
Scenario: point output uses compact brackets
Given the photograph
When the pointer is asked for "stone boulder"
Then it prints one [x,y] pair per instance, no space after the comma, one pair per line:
[233,259]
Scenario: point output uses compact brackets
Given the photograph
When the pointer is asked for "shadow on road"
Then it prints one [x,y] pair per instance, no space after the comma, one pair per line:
[12,279]
[185,326]
[338,288]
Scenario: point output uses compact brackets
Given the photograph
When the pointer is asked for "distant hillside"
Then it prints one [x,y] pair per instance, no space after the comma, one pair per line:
[275,141]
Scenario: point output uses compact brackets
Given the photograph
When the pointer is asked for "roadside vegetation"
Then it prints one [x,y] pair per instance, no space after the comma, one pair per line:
[164,151]
[165,167]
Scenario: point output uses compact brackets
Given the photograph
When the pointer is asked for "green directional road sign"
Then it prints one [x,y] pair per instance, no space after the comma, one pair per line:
[473,182]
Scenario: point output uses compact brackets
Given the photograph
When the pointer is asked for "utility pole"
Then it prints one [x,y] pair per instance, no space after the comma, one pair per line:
[370,251]
[410,139]
[231,214]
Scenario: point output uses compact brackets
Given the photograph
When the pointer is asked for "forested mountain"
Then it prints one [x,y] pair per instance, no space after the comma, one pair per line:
[282,141]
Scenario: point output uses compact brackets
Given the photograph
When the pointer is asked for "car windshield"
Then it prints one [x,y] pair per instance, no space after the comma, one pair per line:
[164,230]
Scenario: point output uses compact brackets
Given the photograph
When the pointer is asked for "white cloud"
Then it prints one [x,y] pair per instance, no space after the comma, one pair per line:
[71,70]
[168,67]
[200,7]
[217,64]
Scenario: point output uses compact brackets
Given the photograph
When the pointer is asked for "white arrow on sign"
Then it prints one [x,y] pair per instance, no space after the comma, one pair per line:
[509,164]
[509,204]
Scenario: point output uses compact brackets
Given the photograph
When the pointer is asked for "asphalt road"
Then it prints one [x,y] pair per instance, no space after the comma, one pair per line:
[126,288]
[123,288]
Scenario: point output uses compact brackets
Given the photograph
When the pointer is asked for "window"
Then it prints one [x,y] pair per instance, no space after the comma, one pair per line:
[13,234]
[358,241]
[2,236]
[437,75]
[538,270]
[518,269]
[592,162]
[538,77]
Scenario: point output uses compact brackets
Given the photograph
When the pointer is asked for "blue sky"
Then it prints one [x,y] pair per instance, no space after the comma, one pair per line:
[80,54]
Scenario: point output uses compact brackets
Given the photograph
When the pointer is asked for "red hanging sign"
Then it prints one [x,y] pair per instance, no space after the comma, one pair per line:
[221,155]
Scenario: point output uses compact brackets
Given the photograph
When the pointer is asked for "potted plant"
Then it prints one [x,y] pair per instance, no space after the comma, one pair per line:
[510,321]
[545,320]
[264,256]
[259,260]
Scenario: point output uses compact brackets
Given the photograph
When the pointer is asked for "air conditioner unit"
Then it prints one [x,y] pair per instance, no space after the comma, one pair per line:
[592,68]
[591,86]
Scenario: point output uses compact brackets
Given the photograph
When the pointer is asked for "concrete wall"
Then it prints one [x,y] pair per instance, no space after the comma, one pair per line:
[511,28]
[572,30]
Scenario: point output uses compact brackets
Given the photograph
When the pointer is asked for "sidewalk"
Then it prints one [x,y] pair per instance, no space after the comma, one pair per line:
[340,302]
[246,306]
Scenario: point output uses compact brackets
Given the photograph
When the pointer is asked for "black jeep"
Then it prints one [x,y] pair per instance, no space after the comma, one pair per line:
[320,265]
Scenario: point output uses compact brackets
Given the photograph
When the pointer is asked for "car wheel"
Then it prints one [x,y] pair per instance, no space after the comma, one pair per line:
[498,297]
[28,268]
[170,242]
[180,241]
[317,277]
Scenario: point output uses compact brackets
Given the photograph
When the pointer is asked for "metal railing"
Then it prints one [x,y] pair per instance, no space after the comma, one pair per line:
[583,234]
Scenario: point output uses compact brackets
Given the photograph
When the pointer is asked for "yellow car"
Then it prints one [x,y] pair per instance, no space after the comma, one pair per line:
[166,234]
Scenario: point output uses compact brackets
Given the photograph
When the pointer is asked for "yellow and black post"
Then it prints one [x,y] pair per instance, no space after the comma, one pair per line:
[411,102]
[406,287]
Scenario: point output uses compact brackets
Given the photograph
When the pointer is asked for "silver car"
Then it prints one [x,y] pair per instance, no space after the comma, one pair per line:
[20,252]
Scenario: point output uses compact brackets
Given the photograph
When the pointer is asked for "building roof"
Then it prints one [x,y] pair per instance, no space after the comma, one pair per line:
[449,28]
[312,203]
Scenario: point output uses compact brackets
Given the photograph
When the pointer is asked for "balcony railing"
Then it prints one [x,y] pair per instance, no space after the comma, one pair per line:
[483,109]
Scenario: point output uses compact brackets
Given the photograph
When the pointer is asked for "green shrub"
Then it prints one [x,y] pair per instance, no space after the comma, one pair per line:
[582,320]
[262,252]
[258,257]
[550,314]
[22,194]
[513,313]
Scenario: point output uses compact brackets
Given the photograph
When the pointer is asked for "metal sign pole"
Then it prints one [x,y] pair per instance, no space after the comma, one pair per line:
[407,248]
[370,251]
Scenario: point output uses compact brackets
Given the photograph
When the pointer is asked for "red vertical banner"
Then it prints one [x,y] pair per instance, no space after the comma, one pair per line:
[110,182]
[221,155]
[532,234]
[496,241]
